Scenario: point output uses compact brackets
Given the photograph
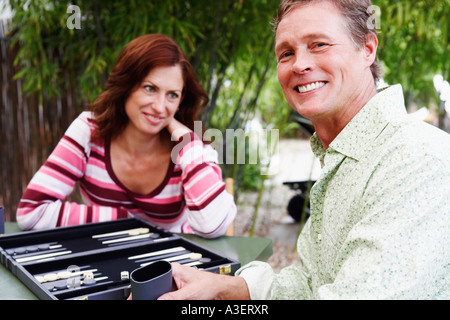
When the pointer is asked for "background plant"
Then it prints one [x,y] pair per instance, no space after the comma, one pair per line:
[50,72]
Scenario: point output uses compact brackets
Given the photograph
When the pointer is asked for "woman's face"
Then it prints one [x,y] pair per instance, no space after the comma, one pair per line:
[153,104]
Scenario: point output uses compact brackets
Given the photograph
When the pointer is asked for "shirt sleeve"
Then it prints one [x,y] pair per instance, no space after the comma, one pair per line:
[263,284]
[211,209]
[291,283]
[43,204]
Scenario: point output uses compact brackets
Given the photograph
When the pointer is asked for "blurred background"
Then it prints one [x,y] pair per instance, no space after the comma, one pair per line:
[56,56]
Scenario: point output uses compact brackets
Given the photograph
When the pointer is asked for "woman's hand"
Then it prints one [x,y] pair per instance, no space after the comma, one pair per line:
[177,129]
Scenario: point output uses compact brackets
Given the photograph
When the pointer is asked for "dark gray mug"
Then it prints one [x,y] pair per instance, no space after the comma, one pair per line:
[151,281]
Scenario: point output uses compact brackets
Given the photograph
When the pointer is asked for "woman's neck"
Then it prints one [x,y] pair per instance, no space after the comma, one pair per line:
[140,145]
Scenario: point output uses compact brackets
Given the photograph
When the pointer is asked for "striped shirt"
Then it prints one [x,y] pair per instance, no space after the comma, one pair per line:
[191,199]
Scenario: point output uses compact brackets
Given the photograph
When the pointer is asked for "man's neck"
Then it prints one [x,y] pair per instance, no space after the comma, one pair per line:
[327,128]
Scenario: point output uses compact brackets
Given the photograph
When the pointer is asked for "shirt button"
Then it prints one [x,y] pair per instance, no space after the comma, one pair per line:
[319,237]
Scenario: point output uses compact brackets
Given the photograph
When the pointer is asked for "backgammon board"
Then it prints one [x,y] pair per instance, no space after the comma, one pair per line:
[94,261]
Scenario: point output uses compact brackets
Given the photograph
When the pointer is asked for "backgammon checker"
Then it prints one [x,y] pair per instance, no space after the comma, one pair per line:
[96,261]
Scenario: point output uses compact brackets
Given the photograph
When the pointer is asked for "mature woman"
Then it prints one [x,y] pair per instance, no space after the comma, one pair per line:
[134,153]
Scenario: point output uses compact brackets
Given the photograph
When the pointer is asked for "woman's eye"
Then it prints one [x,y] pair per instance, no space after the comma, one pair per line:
[149,88]
[173,95]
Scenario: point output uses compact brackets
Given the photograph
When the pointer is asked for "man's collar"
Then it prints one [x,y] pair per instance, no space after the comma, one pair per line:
[366,125]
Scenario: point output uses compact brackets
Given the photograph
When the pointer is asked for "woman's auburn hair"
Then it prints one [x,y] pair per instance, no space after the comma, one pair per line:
[136,60]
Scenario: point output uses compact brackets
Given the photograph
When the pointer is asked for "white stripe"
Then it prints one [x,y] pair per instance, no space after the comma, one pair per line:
[82,216]
[192,156]
[100,174]
[67,165]
[105,213]
[169,191]
[51,183]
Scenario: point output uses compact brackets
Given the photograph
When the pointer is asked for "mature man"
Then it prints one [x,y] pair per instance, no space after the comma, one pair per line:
[379,225]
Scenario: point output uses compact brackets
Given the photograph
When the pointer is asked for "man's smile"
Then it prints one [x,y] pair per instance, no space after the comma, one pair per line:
[310,86]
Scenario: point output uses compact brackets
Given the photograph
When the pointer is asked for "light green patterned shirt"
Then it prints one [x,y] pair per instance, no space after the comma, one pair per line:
[380,214]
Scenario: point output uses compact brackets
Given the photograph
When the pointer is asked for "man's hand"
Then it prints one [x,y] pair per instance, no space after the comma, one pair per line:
[194,284]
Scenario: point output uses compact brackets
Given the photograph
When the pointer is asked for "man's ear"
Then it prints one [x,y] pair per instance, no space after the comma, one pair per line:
[370,48]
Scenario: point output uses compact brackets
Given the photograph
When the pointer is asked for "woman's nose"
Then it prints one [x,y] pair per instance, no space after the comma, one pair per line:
[159,102]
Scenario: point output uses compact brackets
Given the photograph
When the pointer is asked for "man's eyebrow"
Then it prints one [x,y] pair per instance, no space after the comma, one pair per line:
[285,43]
[317,35]
[282,45]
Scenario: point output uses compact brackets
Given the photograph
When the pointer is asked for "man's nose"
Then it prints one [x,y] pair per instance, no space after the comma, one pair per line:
[303,62]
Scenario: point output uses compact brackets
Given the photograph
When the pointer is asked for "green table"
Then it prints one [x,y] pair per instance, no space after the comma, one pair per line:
[239,248]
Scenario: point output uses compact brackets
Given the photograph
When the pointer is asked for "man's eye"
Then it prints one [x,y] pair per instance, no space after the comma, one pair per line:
[285,55]
[321,45]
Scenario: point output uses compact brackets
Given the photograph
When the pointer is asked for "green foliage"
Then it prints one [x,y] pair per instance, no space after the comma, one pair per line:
[229,42]
[414,45]
[210,32]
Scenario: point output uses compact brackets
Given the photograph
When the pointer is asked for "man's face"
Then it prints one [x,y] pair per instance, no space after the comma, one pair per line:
[322,73]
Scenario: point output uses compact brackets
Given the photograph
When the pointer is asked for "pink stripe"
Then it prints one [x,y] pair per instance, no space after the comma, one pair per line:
[57,175]
[208,180]
[208,176]
[206,200]
[191,167]
[168,200]
[72,213]
[192,141]
[24,211]
[75,213]
[115,213]
[186,228]
[98,148]
[97,163]
[95,213]
[68,152]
